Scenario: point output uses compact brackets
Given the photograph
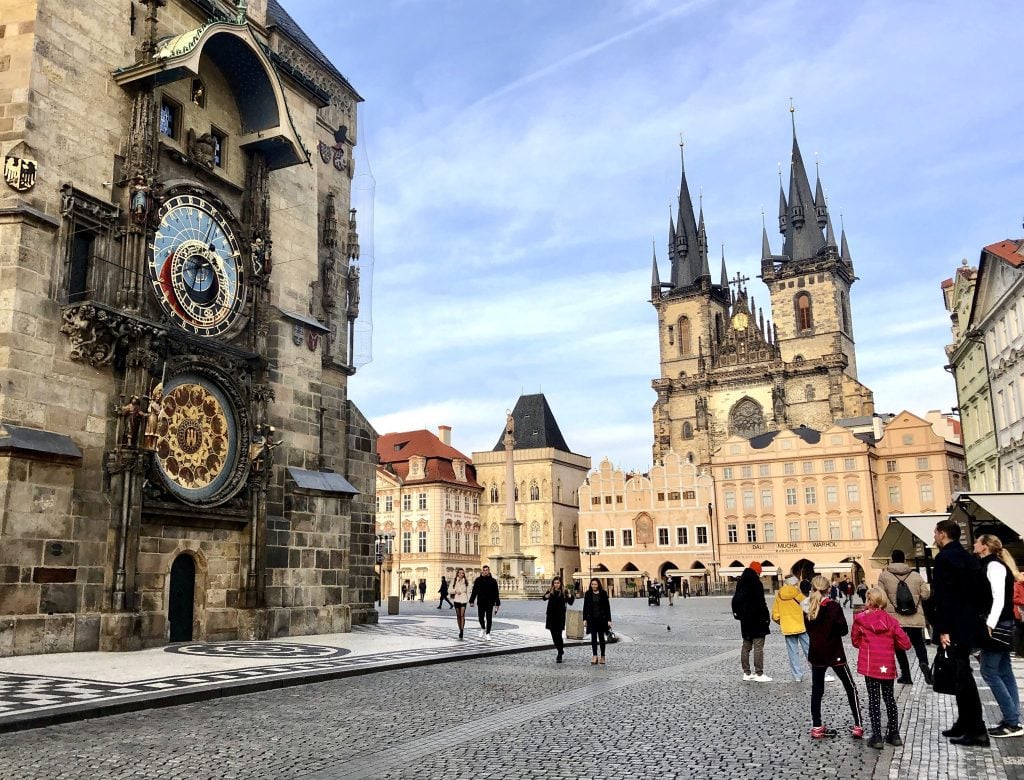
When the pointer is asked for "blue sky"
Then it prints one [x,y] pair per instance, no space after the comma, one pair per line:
[525,155]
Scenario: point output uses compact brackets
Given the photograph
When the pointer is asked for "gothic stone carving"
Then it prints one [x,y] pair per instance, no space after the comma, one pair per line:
[96,333]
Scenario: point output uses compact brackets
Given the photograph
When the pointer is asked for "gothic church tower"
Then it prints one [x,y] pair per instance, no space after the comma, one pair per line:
[726,369]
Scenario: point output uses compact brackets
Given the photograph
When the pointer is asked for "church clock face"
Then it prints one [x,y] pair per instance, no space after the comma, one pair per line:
[196,266]
[198,442]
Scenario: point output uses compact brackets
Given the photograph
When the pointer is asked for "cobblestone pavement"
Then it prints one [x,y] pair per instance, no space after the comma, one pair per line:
[668,704]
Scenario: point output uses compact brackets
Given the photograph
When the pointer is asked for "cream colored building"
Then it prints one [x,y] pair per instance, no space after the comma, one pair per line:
[799,497]
[793,498]
[428,501]
[647,526]
[547,480]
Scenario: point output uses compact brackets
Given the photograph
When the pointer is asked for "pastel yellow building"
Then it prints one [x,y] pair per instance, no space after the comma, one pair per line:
[547,478]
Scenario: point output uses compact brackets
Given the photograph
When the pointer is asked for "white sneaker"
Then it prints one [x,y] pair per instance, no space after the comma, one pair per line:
[487,637]
[762,678]
[748,677]
[829,678]
[482,633]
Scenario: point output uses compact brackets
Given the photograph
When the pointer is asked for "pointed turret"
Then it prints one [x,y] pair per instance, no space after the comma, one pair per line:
[803,239]
[766,248]
[783,211]
[820,209]
[683,237]
[830,235]
[725,274]
[702,242]
[845,251]
[655,278]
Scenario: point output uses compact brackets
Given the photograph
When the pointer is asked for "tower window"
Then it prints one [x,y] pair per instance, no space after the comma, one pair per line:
[684,336]
[687,430]
[170,119]
[804,316]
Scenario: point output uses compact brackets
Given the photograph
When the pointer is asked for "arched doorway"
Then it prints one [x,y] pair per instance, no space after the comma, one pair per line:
[803,569]
[181,599]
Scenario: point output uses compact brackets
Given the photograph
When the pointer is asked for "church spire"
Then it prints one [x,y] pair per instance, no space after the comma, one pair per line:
[766,248]
[725,274]
[820,208]
[830,234]
[655,278]
[845,251]
[683,239]
[702,242]
[803,240]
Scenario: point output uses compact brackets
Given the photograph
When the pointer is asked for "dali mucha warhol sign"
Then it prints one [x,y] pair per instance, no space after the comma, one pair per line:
[20,173]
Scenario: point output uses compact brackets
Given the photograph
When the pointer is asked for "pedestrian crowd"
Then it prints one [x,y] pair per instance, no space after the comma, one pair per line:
[973,606]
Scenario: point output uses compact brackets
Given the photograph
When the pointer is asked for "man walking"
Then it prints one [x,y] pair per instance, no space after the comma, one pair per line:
[485,591]
[908,610]
[423,589]
[954,616]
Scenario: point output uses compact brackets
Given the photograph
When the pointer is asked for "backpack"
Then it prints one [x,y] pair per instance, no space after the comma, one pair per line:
[905,603]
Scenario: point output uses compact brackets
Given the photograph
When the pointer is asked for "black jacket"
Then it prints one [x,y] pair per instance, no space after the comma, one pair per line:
[952,609]
[485,590]
[597,612]
[557,601]
[749,606]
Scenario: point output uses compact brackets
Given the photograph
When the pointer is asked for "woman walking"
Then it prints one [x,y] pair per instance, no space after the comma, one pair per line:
[1000,573]
[878,635]
[750,608]
[597,617]
[443,590]
[558,599]
[826,626]
[460,595]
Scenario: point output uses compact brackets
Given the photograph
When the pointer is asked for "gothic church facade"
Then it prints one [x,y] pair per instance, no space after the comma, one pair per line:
[729,367]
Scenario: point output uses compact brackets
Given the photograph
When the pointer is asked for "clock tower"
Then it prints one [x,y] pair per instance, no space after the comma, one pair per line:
[186,257]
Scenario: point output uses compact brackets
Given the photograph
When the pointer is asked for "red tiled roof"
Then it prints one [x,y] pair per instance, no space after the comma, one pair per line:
[1010,250]
[395,449]
[947,283]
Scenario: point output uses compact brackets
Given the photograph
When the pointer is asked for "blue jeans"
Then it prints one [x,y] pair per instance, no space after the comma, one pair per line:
[798,646]
[997,672]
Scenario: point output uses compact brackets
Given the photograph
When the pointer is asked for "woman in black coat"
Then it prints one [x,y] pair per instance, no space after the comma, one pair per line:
[597,617]
[558,599]
[750,608]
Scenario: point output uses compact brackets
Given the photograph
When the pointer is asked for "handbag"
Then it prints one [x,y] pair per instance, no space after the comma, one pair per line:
[1001,639]
[944,678]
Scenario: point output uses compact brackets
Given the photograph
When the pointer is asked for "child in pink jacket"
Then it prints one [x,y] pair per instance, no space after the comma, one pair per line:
[877,635]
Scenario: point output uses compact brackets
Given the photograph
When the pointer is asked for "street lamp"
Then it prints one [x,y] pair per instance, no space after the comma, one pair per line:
[590,552]
[382,547]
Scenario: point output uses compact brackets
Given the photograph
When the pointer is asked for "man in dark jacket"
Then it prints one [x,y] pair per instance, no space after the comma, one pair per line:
[485,595]
[750,608]
[954,617]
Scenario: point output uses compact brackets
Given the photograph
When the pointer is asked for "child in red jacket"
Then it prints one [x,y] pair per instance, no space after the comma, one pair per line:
[877,635]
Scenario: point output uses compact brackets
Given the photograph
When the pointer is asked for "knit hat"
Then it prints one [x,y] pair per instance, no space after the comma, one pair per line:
[756,566]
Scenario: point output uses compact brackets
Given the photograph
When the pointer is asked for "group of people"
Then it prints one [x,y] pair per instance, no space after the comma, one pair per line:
[972,602]
[410,589]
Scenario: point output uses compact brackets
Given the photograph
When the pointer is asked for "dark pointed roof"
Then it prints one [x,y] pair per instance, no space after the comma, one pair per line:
[536,426]
[278,17]
[683,239]
[655,278]
[803,236]
[766,248]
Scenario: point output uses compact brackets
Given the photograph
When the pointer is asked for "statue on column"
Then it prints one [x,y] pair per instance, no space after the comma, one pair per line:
[509,439]
[702,413]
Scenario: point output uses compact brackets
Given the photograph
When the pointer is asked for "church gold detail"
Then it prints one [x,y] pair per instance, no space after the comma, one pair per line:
[193,444]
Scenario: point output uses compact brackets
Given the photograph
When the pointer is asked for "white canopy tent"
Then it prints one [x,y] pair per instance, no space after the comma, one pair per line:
[733,572]
[905,532]
[1007,508]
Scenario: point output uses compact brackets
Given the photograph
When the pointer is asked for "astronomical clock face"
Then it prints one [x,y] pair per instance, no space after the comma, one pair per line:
[196,267]
[198,444]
